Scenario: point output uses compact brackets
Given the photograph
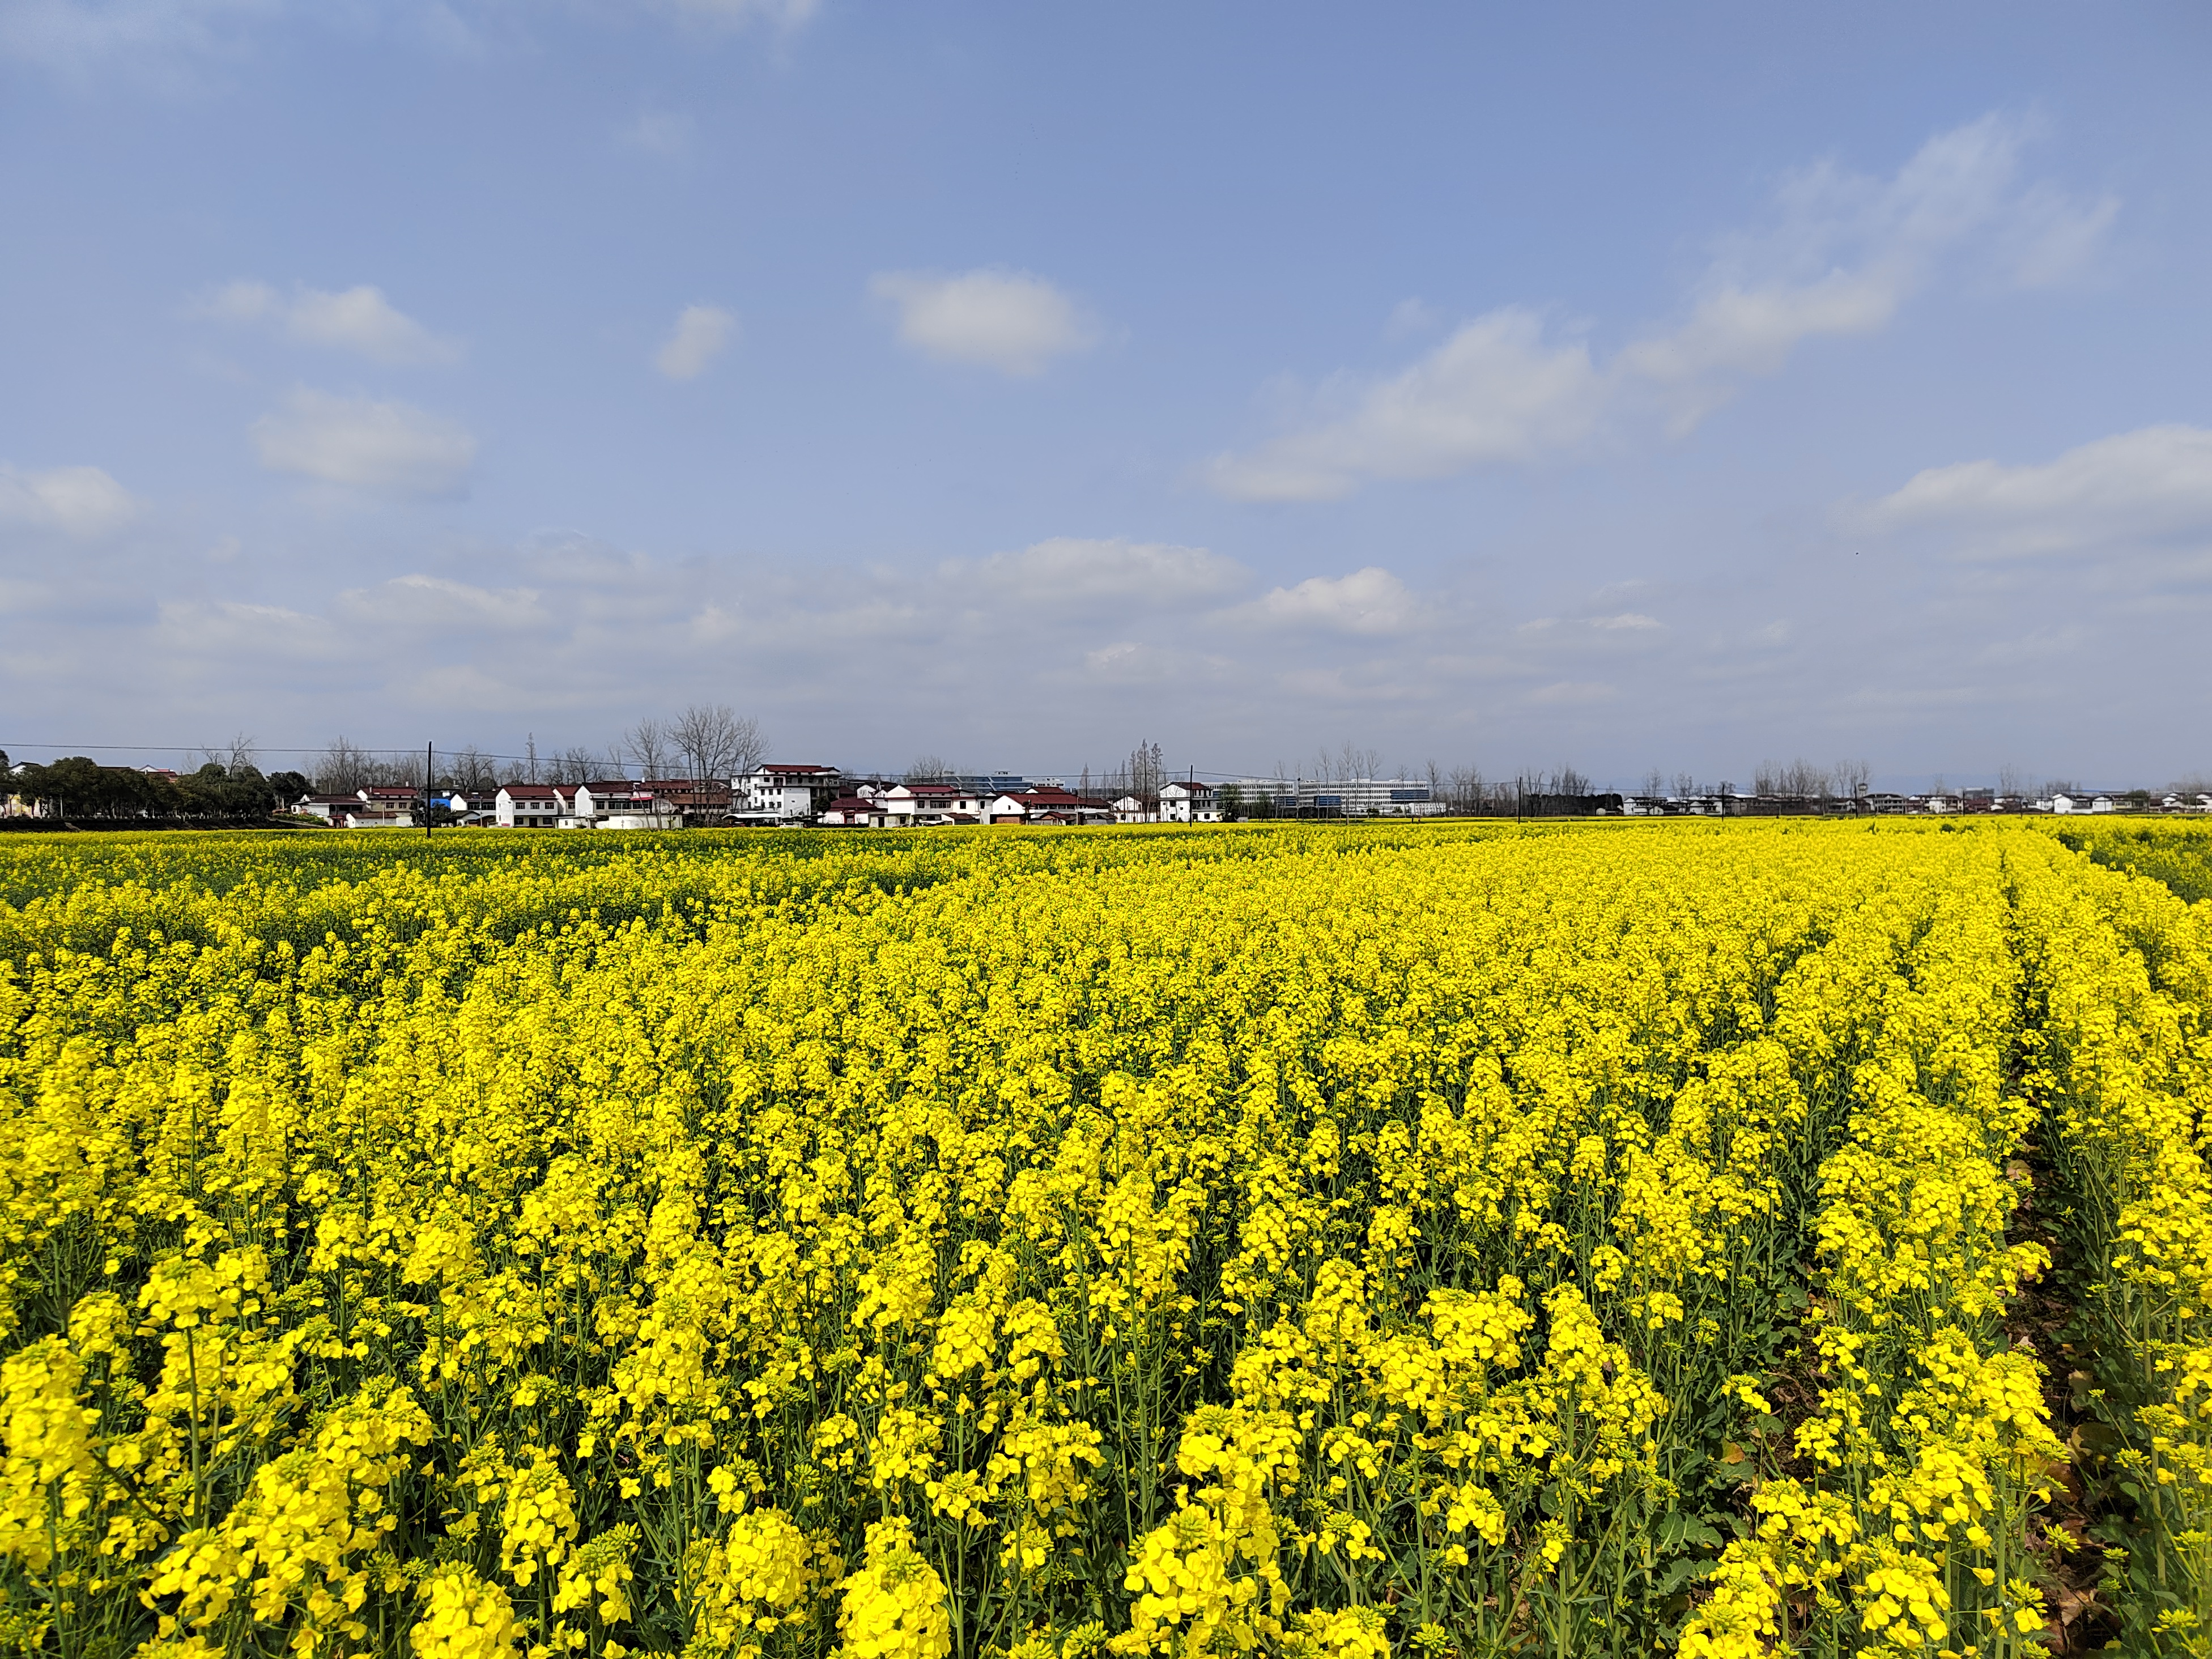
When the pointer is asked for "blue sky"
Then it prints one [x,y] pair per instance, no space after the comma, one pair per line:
[1612,386]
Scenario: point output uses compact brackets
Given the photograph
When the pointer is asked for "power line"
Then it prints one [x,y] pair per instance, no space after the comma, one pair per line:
[409,752]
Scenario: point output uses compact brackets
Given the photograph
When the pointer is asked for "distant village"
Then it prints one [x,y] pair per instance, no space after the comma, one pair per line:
[803,793]
[797,794]
[777,794]
[794,795]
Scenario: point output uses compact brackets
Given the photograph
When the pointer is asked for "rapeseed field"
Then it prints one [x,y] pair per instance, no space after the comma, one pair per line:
[1310,1241]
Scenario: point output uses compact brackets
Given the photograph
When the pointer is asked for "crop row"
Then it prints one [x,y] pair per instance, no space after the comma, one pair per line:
[1317,1242]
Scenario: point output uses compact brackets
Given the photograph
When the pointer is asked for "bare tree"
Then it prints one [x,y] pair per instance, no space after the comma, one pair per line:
[240,755]
[1799,780]
[1565,781]
[573,766]
[1686,784]
[748,743]
[1146,772]
[470,770]
[648,745]
[1853,778]
[716,742]
[400,770]
[931,768]
[342,767]
[1354,762]
[1467,789]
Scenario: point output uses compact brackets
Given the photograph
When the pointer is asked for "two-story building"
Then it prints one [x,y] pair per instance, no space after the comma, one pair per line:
[696,800]
[1188,803]
[855,812]
[1047,804]
[788,792]
[533,805]
[620,804]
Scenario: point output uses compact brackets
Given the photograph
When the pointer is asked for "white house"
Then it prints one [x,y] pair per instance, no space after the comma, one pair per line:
[1046,804]
[1007,809]
[1356,798]
[789,790]
[1130,809]
[1188,803]
[934,803]
[2065,803]
[854,812]
[533,805]
[331,809]
[376,807]
[906,804]
[618,803]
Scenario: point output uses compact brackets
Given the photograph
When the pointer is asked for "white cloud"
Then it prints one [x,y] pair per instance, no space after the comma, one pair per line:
[2146,484]
[71,35]
[1570,694]
[359,319]
[2045,644]
[736,14]
[1494,392]
[1844,252]
[700,334]
[1411,316]
[80,501]
[227,630]
[1738,333]
[1368,601]
[1072,571]
[659,132]
[1132,660]
[381,448]
[1008,320]
[420,602]
[1627,620]
[2057,240]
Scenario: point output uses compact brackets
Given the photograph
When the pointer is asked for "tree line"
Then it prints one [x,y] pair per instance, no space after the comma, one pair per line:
[707,740]
[227,788]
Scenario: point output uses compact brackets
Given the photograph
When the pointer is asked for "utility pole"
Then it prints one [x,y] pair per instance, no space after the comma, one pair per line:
[429,771]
